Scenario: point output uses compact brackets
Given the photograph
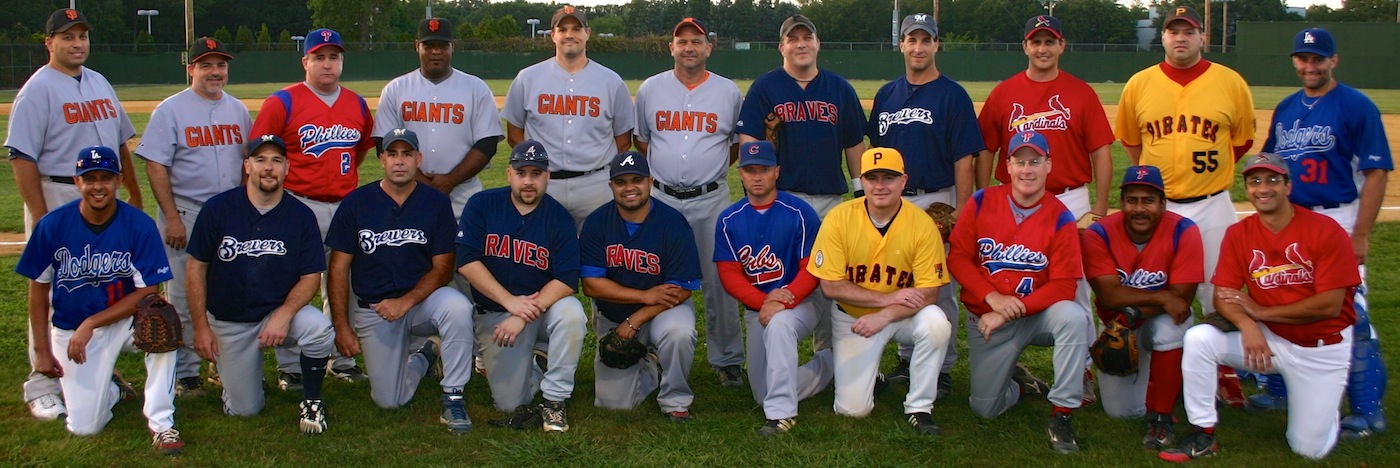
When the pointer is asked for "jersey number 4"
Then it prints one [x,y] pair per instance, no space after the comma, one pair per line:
[1205,161]
[1025,287]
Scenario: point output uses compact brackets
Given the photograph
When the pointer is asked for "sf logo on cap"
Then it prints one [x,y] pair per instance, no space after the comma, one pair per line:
[568,9]
[71,14]
[209,43]
[433,25]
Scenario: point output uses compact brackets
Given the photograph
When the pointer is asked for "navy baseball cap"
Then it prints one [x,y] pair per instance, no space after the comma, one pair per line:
[1269,161]
[63,19]
[529,153]
[1143,175]
[567,11]
[757,153]
[630,162]
[1043,23]
[319,38]
[796,21]
[1028,139]
[918,21]
[269,139]
[435,29]
[1183,13]
[400,134]
[1314,41]
[98,158]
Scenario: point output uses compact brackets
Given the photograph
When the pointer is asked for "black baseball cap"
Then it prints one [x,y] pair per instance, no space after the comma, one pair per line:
[63,19]
[206,46]
[1183,13]
[435,29]
[630,162]
[568,11]
[269,139]
[1043,23]
[918,21]
[795,21]
[400,134]
[529,153]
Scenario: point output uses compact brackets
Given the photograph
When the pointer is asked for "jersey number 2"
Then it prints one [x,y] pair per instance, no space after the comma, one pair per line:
[1205,161]
[1025,287]
[1315,171]
[345,164]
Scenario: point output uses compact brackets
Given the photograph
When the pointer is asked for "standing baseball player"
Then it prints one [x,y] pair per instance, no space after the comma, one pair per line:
[639,264]
[1296,318]
[255,261]
[577,108]
[518,248]
[685,127]
[327,129]
[194,149]
[88,263]
[1144,263]
[881,259]
[928,117]
[1016,254]
[453,113]
[61,109]
[763,245]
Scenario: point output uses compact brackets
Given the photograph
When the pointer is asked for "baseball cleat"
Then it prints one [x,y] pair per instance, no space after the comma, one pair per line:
[1159,432]
[542,360]
[524,417]
[1357,426]
[168,442]
[1089,396]
[679,416]
[730,376]
[1196,445]
[1061,432]
[923,423]
[48,407]
[189,387]
[882,384]
[900,374]
[454,413]
[1030,384]
[478,366]
[313,417]
[1266,402]
[213,377]
[350,374]
[124,390]
[555,415]
[777,426]
[289,382]
[945,386]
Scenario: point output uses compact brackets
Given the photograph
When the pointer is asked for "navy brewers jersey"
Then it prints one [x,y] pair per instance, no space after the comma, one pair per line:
[661,250]
[770,244]
[932,125]
[393,245]
[523,252]
[819,123]
[254,258]
[1327,144]
[88,271]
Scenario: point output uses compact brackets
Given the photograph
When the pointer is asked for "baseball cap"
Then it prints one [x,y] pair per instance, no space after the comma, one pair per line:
[567,11]
[63,19]
[918,21]
[435,29]
[881,159]
[1314,41]
[796,21]
[206,46]
[1043,23]
[1143,175]
[269,139]
[1028,139]
[1269,161]
[529,153]
[98,158]
[757,153]
[630,162]
[319,38]
[1184,13]
[691,22]
[400,134]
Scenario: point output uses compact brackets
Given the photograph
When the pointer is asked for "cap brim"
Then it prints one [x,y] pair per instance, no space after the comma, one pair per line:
[1044,28]
[1141,183]
[887,171]
[679,27]
[69,25]
[540,164]
[199,57]
[319,46]
[759,162]
[254,150]
[435,38]
[628,172]
[1035,148]
[1189,21]
[919,27]
[1267,167]
[1313,50]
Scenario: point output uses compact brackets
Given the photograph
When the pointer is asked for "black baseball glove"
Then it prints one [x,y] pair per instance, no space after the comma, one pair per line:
[618,353]
[157,327]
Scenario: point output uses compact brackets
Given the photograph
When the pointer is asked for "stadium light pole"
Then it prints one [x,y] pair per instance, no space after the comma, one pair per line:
[148,14]
[1049,6]
[894,26]
[1224,26]
[298,40]
[532,22]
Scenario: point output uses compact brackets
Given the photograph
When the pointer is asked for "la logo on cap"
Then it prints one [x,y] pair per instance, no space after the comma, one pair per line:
[1308,38]
[627,162]
[95,155]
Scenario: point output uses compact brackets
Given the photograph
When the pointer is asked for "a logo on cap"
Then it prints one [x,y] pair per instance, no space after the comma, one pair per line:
[433,25]
[71,14]
[921,18]
[1308,38]
[1141,173]
[1040,21]
[530,150]
[209,43]
[627,162]
[267,138]
[1180,11]
[568,9]
[325,35]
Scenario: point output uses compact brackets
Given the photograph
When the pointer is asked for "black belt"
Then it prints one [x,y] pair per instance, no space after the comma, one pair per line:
[1325,206]
[914,192]
[484,311]
[684,193]
[365,305]
[61,180]
[557,175]
[1193,199]
[1324,341]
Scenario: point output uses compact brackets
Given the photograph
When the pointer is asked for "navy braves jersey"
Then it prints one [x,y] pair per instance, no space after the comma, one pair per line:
[768,245]
[393,245]
[523,252]
[819,123]
[1327,144]
[88,271]
[254,258]
[661,250]
[932,125]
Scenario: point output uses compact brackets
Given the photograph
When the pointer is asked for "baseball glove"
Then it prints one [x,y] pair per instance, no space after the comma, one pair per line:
[618,353]
[1115,352]
[1216,320]
[942,214]
[773,129]
[157,327]
[1087,220]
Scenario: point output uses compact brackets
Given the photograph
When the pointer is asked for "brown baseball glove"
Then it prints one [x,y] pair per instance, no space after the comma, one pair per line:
[157,326]
[1087,220]
[1216,320]
[942,214]
[1115,352]
[617,353]
[773,129]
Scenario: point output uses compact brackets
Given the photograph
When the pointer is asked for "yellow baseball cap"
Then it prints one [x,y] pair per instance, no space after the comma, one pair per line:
[882,159]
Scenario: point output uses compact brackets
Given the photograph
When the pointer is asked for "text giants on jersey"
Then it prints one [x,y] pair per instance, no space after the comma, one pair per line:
[562,104]
[90,111]
[686,121]
[213,135]
[432,112]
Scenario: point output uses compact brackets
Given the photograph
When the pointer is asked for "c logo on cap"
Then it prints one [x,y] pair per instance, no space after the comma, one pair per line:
[71,14]
[753,149]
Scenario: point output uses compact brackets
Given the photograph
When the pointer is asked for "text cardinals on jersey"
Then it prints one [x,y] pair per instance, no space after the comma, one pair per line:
[1298,271]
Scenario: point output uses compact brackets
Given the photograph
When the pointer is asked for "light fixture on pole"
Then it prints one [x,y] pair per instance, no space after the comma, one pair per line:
[148,14]
[894,26]
[1049,6]
[298,40]
[533,22]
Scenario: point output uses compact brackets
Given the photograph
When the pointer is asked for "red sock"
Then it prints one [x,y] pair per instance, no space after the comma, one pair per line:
[1164,381]
[1057,409]
[1208,430]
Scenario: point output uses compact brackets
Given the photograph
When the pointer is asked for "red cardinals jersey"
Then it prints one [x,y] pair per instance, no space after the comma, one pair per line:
[1310,255]
[325,144]
[1066,110]
[1174,255]
[1036,259]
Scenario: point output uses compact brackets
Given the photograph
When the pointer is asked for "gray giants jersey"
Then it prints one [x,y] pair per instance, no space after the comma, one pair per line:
[575,116]
[55,115]
[449,117]
[201,141]
[689,131]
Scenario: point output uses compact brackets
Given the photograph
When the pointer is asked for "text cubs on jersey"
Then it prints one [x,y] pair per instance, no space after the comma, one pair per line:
[230,248]
[90,268]
[370,240]
[317,140]
[760,267]
[1297,270]
[520,251]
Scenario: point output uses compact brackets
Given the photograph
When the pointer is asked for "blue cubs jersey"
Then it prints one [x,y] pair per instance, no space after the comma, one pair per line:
[932,125]
[819,123]
[1327,142]
[661,250]
[523,252]
[88,271]
[393,245]
[769,244]
[254,258]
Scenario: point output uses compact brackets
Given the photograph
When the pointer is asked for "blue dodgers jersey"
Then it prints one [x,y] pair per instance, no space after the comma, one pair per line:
[768,245]
[819,123]
[87,271]
[523,253]
[661,251]
[932,125]
[393,245]
[1328,143]
[254,258]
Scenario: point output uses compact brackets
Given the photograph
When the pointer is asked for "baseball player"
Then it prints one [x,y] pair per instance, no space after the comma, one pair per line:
[577,108]
[255,261]
[1016,254]
[1333,140]
[453,113]
[881,259]
[327,128]
[193,147]
[53,117]
[685,127]
[928,117]
[392,243]
[518,248]
[1144,263]
[638,262]
[763,245]
[89,262]
[1296,318]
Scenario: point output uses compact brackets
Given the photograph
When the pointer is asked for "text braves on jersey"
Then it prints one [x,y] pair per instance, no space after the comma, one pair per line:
[640,261]
[520,251]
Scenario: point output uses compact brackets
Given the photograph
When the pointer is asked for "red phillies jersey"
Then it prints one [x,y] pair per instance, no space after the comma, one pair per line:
[325,144]
[1066,110]
[1037,259]
[1310,255]
[1173,256]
